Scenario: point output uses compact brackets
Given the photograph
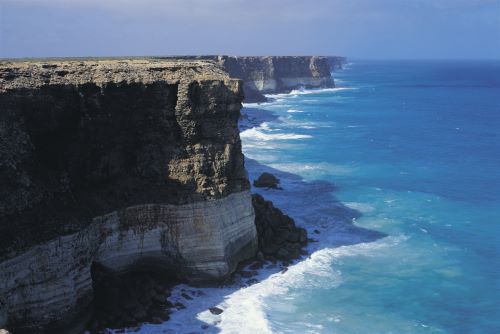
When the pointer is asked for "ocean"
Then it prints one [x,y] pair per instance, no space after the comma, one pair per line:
[396,175]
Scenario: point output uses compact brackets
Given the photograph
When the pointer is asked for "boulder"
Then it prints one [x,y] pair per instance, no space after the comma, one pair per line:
[215,310]
[266,180]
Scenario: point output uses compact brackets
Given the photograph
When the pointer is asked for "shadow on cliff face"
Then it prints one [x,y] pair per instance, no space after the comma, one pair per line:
[130,298]
[312,205]
[69,153]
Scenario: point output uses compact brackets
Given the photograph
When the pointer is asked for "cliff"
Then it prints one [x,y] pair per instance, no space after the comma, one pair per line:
[271,75]
[125,164]
[275,74]
[337,62]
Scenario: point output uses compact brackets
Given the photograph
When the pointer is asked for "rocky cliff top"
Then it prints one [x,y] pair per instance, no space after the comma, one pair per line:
[15,74]
[273,74]
[82,138]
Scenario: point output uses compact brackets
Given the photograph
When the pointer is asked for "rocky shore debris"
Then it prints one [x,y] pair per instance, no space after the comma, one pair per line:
[267,180]
[278,237]
[215,310]
[129,300]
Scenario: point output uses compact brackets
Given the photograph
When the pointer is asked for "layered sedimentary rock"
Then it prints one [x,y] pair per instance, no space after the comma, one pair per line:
[337,62]
[275,74]
[126,164]
[268,75]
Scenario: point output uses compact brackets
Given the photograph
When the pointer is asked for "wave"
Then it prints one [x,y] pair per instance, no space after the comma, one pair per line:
[313,169]
[289,121]
[270,103]
[245,307]
[294,110]
[297,92]
[244,310]
[361,207]
[257,133]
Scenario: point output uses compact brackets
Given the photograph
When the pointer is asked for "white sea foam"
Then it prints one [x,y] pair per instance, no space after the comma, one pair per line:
[244,310]
[250,105]
[361,207]
[319,91]
[246,307]
[296,92]
[313,169]
[289,121]
[260,134]
[294,110]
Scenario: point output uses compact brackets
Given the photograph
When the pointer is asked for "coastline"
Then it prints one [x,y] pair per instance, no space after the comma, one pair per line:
[153,226]
[313,206]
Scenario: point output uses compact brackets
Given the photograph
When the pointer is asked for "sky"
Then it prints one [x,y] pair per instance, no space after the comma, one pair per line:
[370,29]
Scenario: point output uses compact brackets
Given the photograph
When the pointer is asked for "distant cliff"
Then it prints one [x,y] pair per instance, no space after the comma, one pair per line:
[337,62]
[275,74]
[271,75]
[125,164]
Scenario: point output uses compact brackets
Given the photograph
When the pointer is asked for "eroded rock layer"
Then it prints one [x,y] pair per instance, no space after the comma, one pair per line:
[337,62]
[125,163]
[268,75]
[275,74]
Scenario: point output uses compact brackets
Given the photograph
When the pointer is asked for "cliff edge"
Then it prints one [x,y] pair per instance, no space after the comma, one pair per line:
[276,74]
[126,164]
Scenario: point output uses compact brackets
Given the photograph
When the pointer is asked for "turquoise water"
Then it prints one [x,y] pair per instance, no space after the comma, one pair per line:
[412,147]
[396,175]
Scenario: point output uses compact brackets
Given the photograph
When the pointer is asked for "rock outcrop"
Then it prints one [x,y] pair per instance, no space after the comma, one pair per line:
[275,74]
[271,75]
[278,236]
[266,180]
[125,164]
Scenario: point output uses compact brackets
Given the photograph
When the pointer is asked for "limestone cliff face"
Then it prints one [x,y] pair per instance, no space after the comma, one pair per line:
[269,75]
[125,163]
[275,74]
[337,62]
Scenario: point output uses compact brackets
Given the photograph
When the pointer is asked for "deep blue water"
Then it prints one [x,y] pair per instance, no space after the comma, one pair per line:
[414,146]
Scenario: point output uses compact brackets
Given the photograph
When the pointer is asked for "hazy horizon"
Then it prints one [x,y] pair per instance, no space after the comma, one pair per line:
[357,29]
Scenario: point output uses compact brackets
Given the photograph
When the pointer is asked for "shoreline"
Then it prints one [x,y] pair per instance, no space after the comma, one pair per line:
[230,296]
